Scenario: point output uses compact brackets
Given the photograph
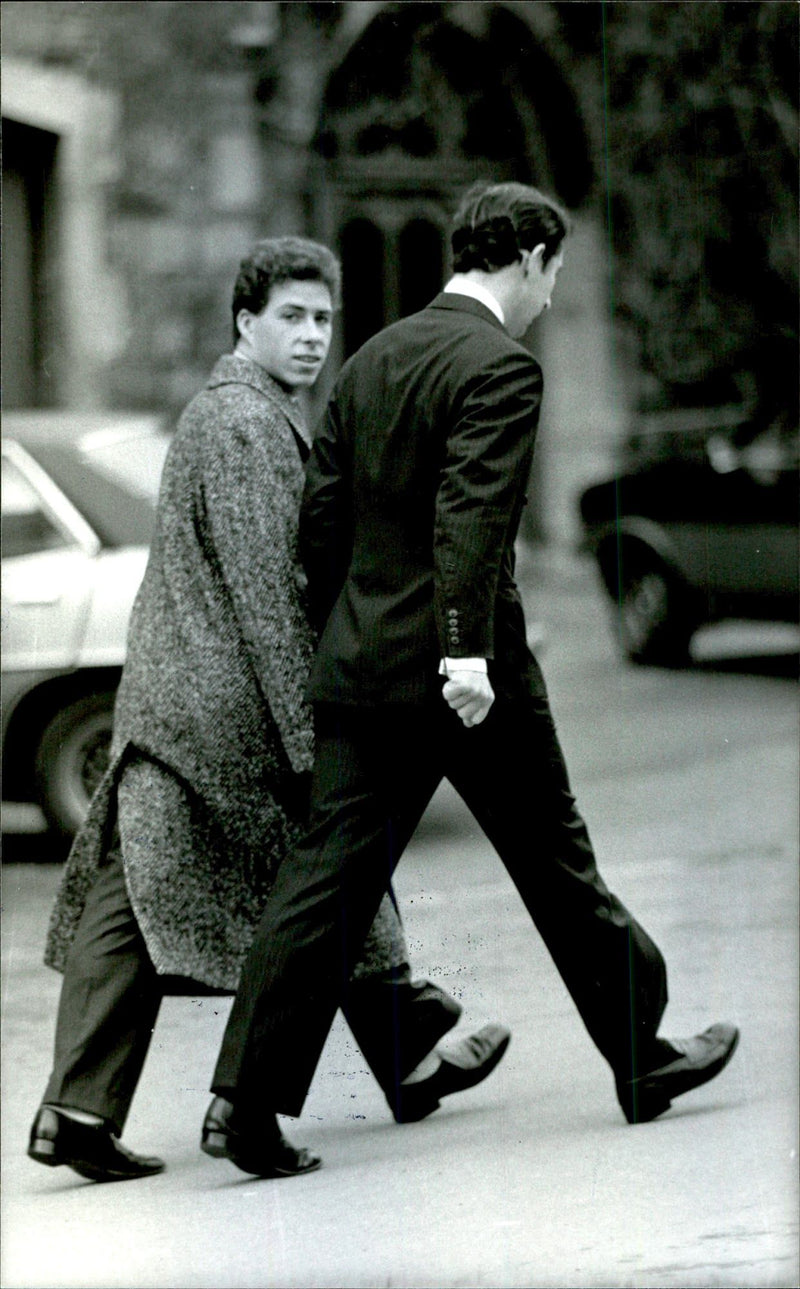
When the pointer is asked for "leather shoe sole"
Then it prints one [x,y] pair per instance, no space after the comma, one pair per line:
[701,1058]
[263,1156]
[91,1151]
[464,1066]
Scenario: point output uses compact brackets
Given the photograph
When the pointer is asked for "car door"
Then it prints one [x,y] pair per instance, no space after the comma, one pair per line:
[48,559]
[752,546]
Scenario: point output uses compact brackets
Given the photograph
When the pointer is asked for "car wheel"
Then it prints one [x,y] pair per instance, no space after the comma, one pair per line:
[71,759]
[655,620]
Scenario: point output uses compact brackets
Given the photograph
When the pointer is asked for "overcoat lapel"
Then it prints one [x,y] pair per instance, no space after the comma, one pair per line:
[232,369]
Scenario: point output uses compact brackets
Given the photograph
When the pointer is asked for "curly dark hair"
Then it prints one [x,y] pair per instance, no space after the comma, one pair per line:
[282,259]
[495,222]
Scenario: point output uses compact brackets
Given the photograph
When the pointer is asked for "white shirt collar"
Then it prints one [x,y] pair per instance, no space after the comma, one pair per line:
[461,285]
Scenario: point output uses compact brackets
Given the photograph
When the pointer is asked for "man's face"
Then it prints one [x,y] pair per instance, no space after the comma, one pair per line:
[535,289]
[291,336]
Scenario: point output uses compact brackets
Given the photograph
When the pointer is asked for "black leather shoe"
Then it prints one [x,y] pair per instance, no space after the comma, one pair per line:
[698,1059]
[90,1150]
[261,1149]
[462,1067]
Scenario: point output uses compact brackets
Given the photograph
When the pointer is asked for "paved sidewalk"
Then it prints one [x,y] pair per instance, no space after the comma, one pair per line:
[532,1179]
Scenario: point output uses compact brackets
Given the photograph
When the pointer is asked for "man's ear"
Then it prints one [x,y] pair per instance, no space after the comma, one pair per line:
[243,320]
[533,257]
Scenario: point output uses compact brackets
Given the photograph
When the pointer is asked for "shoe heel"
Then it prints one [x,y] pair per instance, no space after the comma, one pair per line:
[43,1151]
[412,1111]
[648,1106]
[215,1143]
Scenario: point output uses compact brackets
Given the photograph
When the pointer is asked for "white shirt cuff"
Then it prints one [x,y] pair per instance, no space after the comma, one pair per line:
[462,664]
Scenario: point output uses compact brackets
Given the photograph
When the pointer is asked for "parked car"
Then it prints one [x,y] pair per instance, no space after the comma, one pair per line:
[700,524]
[78,504]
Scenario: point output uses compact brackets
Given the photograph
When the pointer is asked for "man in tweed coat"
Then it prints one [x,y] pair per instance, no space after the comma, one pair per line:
[212,747]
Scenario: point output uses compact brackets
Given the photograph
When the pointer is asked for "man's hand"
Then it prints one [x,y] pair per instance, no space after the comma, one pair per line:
[470,694]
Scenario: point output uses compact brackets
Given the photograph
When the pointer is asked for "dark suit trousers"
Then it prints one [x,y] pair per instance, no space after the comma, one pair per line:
[376,770]
[111,994]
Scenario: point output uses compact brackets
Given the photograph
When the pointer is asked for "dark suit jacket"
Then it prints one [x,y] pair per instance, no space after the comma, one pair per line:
[412,503]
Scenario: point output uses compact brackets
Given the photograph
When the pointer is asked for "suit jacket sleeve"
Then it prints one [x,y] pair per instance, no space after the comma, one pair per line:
[480,497]
[250,515]
[326,519]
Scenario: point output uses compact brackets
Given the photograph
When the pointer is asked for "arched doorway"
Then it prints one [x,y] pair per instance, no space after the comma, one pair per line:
[64,308]
[28,252]
[423,99]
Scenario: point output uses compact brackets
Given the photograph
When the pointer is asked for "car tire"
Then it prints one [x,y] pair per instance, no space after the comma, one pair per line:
[71,758]
[654,615]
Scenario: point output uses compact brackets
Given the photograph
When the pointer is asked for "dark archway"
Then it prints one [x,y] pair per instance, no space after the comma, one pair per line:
[425,99]
[29,239]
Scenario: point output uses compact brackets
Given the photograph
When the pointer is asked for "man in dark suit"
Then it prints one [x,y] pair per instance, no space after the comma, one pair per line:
[411,510]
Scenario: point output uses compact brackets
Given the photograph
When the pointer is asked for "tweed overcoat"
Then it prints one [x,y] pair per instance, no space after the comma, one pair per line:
[212,692]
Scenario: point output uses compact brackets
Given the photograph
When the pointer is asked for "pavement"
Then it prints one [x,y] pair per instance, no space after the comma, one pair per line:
[689,784]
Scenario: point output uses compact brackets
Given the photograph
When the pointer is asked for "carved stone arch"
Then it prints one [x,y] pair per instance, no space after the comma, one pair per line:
[421,100]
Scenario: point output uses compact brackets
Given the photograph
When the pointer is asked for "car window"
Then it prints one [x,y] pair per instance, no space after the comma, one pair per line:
[113,483]
[26,527]
[135,463]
